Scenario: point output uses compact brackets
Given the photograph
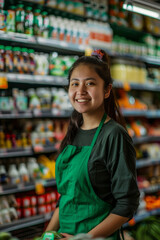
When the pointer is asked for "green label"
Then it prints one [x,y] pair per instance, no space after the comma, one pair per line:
[48,236]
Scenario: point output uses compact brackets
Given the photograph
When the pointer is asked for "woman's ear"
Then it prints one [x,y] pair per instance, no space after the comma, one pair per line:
[107,91]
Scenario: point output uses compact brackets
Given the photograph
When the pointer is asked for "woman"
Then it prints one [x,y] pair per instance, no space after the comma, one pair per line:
[95,170]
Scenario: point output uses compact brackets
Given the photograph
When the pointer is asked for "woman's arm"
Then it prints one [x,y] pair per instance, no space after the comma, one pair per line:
[108,226]
[54,222]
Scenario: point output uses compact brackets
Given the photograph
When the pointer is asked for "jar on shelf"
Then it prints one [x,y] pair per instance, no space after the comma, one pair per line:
[118,70]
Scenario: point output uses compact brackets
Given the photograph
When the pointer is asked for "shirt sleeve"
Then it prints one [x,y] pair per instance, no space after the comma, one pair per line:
[122,167]
[57,204]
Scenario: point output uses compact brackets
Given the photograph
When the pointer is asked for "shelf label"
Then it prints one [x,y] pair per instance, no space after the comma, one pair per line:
[3,82]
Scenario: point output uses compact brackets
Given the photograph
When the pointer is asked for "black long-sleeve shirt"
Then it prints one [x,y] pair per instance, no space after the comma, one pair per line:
[111,167]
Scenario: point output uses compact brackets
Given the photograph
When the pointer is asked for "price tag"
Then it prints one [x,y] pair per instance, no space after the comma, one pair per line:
[3,82]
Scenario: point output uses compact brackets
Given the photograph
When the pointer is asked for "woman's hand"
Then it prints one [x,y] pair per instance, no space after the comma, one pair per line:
[66,236]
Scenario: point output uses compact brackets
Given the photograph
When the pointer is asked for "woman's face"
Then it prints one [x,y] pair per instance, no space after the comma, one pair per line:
[86,90]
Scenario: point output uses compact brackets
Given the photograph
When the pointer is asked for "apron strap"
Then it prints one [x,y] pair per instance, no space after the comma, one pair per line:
[98,129]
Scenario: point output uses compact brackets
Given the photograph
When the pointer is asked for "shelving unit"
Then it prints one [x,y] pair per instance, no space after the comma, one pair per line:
[141,217]
[27,222]
[42,44]
[25,152]
[10,189]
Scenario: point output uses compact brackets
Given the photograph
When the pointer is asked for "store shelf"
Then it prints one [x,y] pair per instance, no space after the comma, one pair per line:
[146,59]
[141,217]
[45,80]
[36,114]
[145,139]
[26,152]
[141,113]
[26,222]
[16,152]
[140,163]
[16,115]
[40,43]
[151,189]
[18,188]
[137,86]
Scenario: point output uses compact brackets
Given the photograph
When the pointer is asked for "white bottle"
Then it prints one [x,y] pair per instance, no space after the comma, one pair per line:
[33,169]
[23,172]
[13,174]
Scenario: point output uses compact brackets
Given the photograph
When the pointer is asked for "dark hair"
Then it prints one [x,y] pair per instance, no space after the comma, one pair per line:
[102,68]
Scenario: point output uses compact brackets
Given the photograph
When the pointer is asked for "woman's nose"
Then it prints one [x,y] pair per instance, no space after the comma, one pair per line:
[82,89]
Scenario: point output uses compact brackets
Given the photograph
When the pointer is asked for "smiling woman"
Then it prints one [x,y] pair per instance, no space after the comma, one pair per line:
[95,169]
[87,93]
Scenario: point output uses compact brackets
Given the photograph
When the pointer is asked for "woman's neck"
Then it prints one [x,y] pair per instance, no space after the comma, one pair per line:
[90,121]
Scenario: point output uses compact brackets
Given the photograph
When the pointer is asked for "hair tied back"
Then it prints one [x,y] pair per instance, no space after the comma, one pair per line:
[98,54]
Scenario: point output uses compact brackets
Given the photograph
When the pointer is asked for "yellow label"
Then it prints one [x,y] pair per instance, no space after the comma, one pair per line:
[39,187]
[3,82]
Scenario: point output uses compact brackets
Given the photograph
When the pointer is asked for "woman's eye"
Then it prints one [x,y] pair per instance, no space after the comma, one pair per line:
[90,83]
[74,84]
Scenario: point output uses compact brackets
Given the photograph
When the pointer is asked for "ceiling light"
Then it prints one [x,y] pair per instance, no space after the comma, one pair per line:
[151,9]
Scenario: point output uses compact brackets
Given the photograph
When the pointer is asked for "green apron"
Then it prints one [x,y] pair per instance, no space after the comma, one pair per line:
[80,209]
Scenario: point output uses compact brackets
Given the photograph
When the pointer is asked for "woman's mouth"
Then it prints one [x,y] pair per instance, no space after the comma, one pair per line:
[82,100]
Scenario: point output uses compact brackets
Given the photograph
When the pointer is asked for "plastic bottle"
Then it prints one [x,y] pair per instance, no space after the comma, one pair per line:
[17,60]
[11,20]
[2,58]
[28,23]
[45,25]
[2,20]
[20,15]
[2,135]
[13,174]
[33,169]
[37,22]
[32,62]
[23,172]
[3,175]
[8,141]
[8,59]
[25,57]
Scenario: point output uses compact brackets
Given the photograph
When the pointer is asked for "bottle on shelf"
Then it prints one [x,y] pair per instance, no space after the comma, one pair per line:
[20,17]
[28,23]
[3,175]
[11,19]
[23,172]
[33,169]
[13,174]
[2,58]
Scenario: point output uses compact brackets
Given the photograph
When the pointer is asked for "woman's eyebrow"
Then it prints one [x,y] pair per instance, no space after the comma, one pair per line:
[86,79]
